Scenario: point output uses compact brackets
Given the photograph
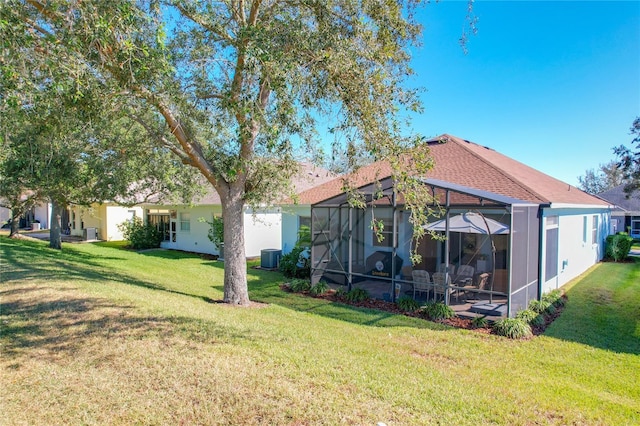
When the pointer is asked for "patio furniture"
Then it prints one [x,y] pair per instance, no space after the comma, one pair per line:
[464,275]
[442,268]
[421,282]
[482,281]
[442,285]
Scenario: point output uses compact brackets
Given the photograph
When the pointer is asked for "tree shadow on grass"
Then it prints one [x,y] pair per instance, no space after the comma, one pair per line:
[264,287]
[27,260]
[51,324]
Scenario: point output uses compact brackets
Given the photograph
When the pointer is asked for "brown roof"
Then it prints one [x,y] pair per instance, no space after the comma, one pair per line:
[465,163]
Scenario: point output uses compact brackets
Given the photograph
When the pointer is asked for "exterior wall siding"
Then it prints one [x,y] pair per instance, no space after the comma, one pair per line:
[576,252]
[290,224]
[262,230]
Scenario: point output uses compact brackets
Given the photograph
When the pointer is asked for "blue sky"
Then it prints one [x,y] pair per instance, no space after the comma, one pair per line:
[555,85]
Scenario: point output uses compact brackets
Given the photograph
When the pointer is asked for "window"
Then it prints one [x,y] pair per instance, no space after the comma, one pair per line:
[185,222]
[594,230]
[585,229]
[160,219]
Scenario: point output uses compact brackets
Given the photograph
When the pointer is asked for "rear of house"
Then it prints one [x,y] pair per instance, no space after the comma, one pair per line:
[556,231]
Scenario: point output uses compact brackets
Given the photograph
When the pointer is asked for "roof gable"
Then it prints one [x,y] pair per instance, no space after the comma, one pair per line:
[618,197]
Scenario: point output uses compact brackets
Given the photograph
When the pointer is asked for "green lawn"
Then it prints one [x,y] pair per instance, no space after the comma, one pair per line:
[100,335]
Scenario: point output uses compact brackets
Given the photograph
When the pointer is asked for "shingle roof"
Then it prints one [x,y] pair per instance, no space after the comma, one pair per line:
[465,163]
[618,197]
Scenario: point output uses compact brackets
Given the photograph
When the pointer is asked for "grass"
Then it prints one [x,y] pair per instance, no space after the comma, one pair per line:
[99,335]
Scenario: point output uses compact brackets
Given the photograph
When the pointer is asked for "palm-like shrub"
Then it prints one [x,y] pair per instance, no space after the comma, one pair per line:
[299,285]
[407,304]
[357,295]
[437,311]
[319,288]
[479,322]
[531,317]
[513,328]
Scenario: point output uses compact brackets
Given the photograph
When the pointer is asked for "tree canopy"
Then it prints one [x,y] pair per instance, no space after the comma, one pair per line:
[629,160]
[237,88]
[605,177]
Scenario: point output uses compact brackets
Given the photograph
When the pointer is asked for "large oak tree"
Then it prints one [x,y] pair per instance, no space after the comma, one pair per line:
[236,88]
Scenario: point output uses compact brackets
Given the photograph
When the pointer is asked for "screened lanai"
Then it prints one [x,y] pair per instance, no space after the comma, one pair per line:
[492,271]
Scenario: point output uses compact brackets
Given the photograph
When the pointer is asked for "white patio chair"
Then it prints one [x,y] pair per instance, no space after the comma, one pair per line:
[442,285]
[421,282]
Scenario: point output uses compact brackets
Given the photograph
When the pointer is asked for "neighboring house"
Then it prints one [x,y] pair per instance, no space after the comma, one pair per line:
[40,213]
[185,226]
[625,216]
[99,221]
[554,231]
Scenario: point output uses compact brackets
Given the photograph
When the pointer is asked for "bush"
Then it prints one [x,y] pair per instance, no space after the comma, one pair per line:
[437,311]
[531,317]
[513,328]
[407,304]
[299,285]
[618,246]
[554,297]
[319,288]
[479,322]
[296,264]
[140,236]
[539,306]
[357,295]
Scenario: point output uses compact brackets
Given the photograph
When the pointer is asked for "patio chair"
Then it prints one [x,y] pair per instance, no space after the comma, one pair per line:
[465,274]
[442,268]
[421,282]
[442,285]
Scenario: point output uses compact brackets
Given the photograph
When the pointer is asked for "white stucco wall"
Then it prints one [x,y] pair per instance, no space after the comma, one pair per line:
[290,224]
[261,231]
[115,215]
[5,215]
[43,214]
[575,255]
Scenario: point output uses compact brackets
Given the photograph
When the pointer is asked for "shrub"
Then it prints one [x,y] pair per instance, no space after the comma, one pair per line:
[554,297]
[319,288]
[531,317]
[618,246]
[357,295]
[407,304]
[437,311]
[296,264]
[513,328]
[539,306]
[216,231]
[299,285]
[140,236]
[479,322]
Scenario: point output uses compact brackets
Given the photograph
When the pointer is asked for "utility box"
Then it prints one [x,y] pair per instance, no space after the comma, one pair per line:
[89,234]
[270,258]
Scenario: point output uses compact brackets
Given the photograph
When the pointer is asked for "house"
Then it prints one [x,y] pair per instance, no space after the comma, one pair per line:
[185,226]
[554,231]
[99,221]
[625,216]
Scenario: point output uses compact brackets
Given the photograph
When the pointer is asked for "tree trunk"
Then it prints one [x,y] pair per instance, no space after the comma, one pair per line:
[236,291]
[55,237]
[15,223]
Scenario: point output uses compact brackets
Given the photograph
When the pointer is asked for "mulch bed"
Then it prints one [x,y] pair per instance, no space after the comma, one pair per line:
[457,322]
